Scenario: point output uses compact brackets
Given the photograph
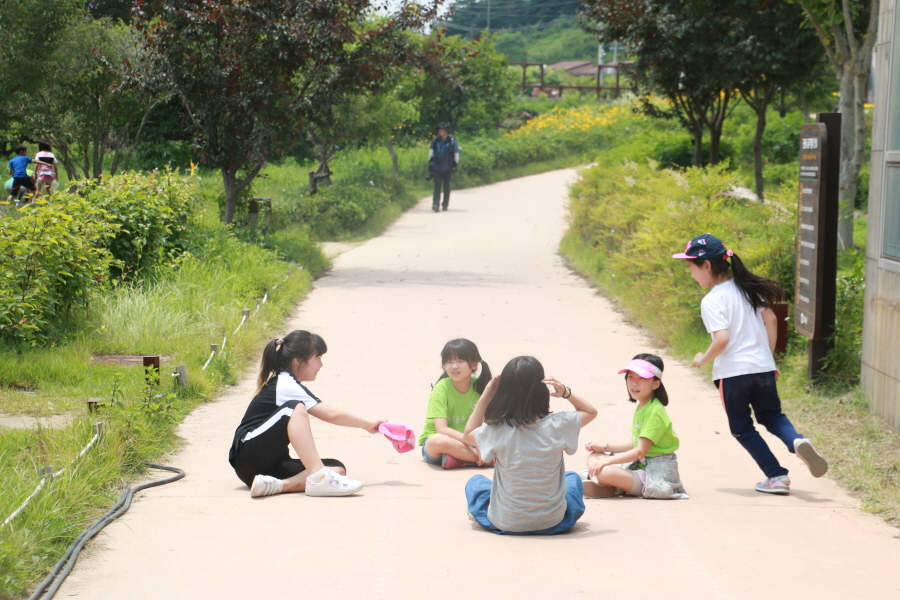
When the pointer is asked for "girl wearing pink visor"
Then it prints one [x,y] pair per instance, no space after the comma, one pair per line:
[644,466]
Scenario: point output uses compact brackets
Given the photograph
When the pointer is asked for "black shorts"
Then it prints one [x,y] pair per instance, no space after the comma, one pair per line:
[267,454]
[25,182]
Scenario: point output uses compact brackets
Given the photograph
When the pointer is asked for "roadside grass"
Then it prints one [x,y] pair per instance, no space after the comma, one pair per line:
[177,313]
[862,449]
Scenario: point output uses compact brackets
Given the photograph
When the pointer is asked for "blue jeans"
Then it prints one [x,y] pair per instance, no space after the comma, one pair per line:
[757,391]
[478,495]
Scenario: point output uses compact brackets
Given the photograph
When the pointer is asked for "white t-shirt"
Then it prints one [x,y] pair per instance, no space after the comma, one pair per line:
[747,352]
[529,488]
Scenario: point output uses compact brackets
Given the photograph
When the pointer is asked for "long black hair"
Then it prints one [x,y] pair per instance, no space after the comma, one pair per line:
[278,353]
[521,397]
[463,349]
[660,392]
[760,292]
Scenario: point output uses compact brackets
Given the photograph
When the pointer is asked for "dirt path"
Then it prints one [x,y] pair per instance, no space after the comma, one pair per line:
[486,270]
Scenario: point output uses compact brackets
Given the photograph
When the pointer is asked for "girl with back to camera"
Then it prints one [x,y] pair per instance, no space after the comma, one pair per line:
[649,467]
[451,403]
[278,415]
[737,314]
[532,493]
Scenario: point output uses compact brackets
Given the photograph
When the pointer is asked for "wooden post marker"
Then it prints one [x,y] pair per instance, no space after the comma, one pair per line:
[151,362]
[817,209]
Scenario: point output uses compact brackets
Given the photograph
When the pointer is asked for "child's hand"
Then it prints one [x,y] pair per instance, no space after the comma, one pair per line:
[590,447]
[373,427]
[698,360]
[491,387]
[558,389]
[597,464]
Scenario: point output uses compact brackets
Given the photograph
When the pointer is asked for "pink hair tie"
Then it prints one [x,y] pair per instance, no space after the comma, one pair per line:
[279,342]
[729,253]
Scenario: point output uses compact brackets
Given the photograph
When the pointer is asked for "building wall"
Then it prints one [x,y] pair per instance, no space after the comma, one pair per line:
[881,324]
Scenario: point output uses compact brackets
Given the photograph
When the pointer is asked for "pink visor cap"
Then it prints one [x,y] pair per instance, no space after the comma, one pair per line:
[400,435]
[643,368]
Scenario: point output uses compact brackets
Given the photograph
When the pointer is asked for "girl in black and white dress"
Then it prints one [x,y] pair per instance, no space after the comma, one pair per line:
[278,415]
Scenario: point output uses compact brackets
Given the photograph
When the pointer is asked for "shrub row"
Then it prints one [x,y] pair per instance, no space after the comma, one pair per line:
[627,220]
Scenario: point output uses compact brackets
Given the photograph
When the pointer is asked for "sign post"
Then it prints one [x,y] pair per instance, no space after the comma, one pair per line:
[817,222]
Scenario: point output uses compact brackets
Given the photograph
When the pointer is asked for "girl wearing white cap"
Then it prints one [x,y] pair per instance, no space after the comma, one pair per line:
[644,466]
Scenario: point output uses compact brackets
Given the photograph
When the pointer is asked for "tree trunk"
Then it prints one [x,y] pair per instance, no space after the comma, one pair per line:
[394,162]
[757,150]
[698,147]
[803,106]
[848,174]
[715,137]
[229,179]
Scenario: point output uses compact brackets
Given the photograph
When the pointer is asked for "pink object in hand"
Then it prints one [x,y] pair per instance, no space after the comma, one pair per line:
[400,435]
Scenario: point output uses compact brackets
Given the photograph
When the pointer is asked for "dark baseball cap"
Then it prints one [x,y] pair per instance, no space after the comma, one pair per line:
[704,246]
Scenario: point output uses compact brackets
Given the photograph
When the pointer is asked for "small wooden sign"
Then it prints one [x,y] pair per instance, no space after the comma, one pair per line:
[810,233]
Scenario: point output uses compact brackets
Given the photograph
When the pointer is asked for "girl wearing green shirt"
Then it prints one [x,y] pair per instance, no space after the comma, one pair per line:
[452,401]
[649,468]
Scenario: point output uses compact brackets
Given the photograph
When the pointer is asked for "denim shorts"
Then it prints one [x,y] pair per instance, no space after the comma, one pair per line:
[429,458]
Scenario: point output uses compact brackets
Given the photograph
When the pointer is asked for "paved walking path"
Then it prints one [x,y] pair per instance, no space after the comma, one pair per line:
[486,270]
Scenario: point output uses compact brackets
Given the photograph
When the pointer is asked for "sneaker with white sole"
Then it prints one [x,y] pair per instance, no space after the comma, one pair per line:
[265,485]
[333,484]
[775,485]
[817,464]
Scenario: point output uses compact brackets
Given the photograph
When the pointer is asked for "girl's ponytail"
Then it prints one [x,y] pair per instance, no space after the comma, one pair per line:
[483,379]
[280,352]
[760,292]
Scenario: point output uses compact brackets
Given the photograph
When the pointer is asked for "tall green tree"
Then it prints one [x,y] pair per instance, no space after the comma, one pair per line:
[81,108]
[251,74]
[847,30]
[30,31]
[778,53]
[469,87]
[684,50]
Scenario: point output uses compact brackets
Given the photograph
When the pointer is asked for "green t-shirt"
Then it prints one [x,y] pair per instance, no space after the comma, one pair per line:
[446,403]
[652,422]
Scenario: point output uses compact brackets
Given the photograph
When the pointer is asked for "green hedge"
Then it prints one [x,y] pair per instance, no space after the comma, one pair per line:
[627,220]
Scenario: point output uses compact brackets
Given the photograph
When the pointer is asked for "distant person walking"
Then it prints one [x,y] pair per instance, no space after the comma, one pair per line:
[17,167]
[45,174]
[443,158]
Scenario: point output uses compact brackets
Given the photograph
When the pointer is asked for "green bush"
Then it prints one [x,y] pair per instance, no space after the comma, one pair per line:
[151,213]
[626,221]
[678,151]
[52,257]
[293,244]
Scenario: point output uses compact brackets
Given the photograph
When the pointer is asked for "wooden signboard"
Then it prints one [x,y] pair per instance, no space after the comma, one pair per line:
[817,225]
[807,300]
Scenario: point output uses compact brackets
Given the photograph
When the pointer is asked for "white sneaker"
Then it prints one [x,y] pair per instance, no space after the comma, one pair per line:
[265,485]
[333,484]
[817,464]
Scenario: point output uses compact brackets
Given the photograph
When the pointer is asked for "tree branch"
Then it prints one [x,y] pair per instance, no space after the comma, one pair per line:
[822,37]
[848,26]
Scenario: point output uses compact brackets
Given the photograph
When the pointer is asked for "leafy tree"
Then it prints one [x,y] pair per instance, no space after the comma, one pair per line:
[81,108]
[252,74]
[473,90]
[847,30]
[29,33]
[683,50]
[473,16]
[777,54]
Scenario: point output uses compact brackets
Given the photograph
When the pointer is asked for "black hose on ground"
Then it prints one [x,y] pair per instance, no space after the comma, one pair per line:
[64,566]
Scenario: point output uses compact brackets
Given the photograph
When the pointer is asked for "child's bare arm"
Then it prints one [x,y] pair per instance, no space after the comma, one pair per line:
[587,410]
[597,462]
[720,341]
[609,447]
[440,426]
[476,419]
[335,416]
[770,320]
